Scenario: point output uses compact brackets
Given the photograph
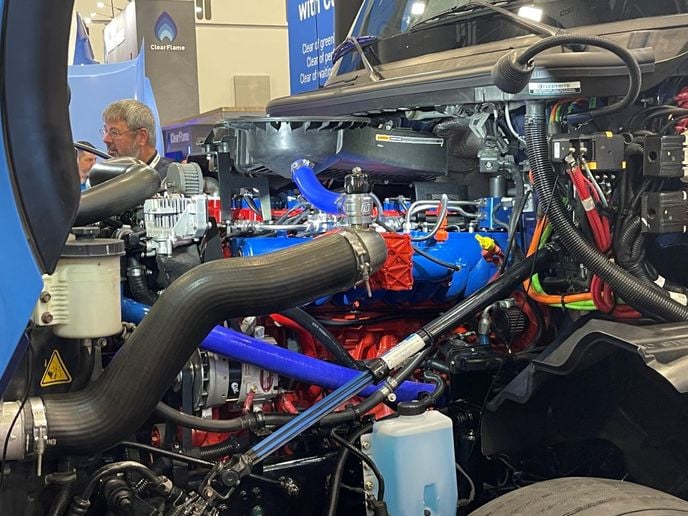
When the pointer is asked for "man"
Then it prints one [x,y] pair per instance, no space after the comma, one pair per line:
[85,161]
[130,131]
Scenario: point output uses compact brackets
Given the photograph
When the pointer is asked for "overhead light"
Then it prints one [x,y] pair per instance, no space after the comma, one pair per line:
[87,20]
[199,9]
[100,5]
[417,8]
[531,13]
[93,15]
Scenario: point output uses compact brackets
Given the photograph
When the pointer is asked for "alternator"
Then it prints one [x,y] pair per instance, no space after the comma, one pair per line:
[174,220]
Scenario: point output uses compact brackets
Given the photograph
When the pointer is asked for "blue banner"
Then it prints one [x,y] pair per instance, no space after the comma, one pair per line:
[311,43]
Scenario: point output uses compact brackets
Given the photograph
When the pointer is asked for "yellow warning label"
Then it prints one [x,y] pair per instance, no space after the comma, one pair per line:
[55,372]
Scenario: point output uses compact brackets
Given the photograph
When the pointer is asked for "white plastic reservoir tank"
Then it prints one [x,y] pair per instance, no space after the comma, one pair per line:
[415,454]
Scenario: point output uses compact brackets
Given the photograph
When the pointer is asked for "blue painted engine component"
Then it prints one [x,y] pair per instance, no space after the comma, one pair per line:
[432,282]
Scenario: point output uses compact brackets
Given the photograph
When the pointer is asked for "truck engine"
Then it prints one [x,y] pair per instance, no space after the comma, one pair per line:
[422,311]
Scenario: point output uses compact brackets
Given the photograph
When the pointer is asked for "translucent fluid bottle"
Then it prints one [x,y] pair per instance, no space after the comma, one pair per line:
[415,454]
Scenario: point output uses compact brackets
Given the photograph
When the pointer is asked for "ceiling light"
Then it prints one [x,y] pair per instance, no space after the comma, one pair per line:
[93,15]
[100,5]
[531,13]
[417,8]
[87,20]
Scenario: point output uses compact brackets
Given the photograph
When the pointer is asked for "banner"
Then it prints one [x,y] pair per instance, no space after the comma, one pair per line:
[311,43]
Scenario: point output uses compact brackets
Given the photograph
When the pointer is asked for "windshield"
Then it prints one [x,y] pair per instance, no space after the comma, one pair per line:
[404,27]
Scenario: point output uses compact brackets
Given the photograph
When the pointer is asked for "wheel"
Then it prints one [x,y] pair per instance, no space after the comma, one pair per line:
[584,497]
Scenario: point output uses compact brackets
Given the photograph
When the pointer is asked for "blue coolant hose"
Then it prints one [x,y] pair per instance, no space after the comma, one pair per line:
[303,175]
[246,349]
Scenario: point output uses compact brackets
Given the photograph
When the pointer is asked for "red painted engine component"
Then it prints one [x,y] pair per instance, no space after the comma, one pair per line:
[397,272]
[215,209]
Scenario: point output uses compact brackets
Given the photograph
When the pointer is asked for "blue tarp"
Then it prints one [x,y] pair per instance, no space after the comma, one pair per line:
[95,86]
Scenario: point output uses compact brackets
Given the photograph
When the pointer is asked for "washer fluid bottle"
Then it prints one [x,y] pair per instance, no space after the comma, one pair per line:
[415,454]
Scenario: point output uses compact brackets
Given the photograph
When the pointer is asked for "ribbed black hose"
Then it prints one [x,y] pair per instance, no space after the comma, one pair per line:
[138,285]
[118,195]
[215,451]
[116,404]
[646,298]
[323,336]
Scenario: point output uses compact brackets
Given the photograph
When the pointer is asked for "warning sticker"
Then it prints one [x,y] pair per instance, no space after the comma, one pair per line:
[554,88]
[414,140]
[56,372]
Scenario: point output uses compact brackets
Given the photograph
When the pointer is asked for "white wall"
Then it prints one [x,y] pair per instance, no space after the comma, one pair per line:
[243,38]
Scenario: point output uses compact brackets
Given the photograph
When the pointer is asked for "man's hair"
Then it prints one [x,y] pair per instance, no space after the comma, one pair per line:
[133,113]
[79,152]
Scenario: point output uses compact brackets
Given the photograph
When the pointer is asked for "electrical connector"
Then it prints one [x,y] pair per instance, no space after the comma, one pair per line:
[664,212]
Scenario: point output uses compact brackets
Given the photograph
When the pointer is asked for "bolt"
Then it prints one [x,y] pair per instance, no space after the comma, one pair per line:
[365,444]
[208,493]
[45,297]
[368,485]
[356,170]
[427,512]
[392,398]
[47,318]
[256,492]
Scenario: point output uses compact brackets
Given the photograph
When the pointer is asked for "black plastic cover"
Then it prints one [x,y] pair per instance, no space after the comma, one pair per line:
[34,104]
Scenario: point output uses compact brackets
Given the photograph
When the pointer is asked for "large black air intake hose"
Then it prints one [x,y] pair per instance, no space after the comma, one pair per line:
[644,297]
[117,195]
[119,402]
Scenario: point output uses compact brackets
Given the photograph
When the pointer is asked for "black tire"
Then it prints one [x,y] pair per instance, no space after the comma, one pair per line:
[584,497]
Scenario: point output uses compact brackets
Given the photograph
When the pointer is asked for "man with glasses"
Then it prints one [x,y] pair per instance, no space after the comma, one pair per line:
[130,131]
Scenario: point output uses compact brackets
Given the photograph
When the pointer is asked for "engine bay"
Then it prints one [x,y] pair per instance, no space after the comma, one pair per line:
[404,312]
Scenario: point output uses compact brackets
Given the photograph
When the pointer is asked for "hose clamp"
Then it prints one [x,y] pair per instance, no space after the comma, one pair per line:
[40,432]
[362,258]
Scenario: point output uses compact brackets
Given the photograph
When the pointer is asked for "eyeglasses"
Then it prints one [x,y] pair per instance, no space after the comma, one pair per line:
[115,133]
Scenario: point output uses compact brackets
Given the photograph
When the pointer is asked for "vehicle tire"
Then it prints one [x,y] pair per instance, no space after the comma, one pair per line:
[582,496]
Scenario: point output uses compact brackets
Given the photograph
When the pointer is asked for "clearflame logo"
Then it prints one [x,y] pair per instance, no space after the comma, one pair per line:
[165,28]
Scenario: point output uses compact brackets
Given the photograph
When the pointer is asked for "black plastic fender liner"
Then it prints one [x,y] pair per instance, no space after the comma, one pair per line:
[34,108]
[116,404]
[119,194]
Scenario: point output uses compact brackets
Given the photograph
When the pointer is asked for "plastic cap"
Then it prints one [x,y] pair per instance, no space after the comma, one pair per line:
[511,76]
[410,408]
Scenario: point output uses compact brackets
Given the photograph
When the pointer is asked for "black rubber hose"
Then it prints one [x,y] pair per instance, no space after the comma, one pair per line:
[646,298]
[121,399]
[138,285]
[635,74]
[60,502]
[432,398]
[222,449]
[118,195]
[323,336]
[208,425]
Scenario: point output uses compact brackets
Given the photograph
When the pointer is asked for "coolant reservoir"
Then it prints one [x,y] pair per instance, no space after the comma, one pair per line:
[82,298]
[415,454]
